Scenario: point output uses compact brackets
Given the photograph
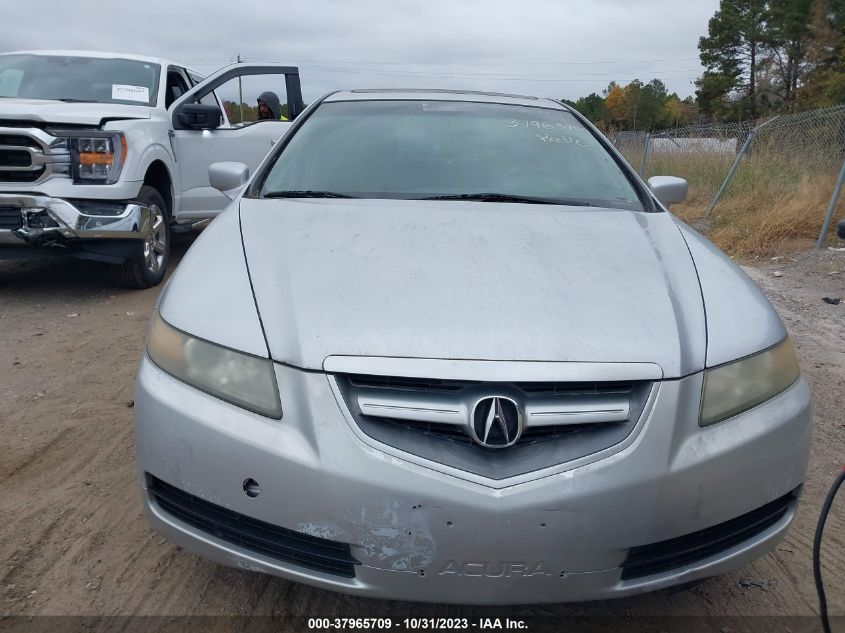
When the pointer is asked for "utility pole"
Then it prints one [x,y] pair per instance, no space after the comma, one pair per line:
[240,93]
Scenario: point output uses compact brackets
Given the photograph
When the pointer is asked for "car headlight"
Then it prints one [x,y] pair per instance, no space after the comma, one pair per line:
[738,386]
[95,157]
[241,379]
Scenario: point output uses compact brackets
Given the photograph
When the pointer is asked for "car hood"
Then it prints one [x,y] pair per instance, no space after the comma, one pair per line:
[472,280]
[58,112]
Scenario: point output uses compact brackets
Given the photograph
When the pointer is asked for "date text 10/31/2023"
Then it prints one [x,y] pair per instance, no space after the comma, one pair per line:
[435,624]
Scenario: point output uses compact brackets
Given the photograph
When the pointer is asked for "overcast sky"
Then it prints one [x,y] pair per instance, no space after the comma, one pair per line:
[551,48]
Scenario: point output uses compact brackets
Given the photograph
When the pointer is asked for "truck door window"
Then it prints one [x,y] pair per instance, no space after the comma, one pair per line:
[208,99]
[176,87]
[240,99]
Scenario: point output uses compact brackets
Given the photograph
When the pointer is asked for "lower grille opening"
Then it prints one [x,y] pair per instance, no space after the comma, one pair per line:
[282,544]
[10,175]
[646,560]
[10,218]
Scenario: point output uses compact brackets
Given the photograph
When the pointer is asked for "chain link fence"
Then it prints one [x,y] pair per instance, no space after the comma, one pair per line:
[759,162]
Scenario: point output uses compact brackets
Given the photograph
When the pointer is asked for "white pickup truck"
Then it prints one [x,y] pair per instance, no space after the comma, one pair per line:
[104,155]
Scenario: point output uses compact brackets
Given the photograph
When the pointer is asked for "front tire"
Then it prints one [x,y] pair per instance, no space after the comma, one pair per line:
[146,266]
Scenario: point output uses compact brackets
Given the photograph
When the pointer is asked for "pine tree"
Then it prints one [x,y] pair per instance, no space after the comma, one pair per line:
[825,79]
[730,54]
[786,40]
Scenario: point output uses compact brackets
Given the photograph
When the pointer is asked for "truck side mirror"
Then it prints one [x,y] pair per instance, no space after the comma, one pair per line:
[199,116]
[228,177]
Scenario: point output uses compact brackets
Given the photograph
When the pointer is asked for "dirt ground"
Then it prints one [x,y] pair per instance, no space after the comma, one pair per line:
[73,539]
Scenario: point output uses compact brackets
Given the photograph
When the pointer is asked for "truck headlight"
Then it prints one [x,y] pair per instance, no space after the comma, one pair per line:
[240,379]
[95,157]
[735,387]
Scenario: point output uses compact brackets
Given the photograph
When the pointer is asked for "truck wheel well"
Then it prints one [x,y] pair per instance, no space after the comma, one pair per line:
[158,178]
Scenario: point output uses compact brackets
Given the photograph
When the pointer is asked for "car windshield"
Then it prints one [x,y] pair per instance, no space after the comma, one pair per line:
[409,149]
[79,79]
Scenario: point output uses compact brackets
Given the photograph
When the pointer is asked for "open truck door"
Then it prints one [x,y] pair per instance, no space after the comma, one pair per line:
[202,133]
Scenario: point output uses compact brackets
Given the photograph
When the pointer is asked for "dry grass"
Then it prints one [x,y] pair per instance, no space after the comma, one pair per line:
[763,218]
[778,197]
[775,203]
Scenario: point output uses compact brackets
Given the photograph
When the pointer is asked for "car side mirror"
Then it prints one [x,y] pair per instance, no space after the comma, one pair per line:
[228,177]
[199,116]
[668,189]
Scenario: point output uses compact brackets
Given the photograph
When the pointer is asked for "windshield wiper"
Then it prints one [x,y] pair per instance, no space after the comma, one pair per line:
[507,197]
[306,194]
[69,100]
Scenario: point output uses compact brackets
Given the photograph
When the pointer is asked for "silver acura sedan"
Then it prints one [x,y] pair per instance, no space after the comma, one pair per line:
[447,346]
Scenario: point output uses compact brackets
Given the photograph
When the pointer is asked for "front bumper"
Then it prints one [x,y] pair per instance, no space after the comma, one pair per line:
[44,219]
[423,535]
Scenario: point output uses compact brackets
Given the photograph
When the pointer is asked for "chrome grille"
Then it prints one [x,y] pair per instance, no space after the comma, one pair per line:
[26,155]
[431,418]
[400,382]
[547,406]
[18,140]
[531,388]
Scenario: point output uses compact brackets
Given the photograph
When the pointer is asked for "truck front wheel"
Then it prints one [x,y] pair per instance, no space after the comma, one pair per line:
[147,264]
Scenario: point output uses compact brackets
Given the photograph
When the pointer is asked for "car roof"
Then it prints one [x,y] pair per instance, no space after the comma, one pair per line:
[100,55]
[417,94]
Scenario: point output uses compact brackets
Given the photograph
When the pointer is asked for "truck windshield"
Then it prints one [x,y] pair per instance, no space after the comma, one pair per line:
[82,79]
[451,150]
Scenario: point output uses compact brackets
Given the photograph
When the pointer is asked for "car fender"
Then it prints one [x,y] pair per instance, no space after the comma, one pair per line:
[740,319]
[211,291]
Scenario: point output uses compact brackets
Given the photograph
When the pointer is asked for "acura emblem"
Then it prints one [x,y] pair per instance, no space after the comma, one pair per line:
[496,422]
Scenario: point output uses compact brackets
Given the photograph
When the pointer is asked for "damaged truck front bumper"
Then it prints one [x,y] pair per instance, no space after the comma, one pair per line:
[36,220]
[311,499]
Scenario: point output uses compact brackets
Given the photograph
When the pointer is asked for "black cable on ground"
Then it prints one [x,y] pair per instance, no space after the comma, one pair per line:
[817,545]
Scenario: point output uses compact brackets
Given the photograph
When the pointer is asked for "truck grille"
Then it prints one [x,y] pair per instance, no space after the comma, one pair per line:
[263,538]
[432,418]
[18,140]
[13,175]
[26,155]
[15,158]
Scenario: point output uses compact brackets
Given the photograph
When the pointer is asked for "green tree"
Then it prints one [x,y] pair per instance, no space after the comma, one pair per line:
[655,114]
[786,40]
[672,109]
[730,53]
[592,107]
[233,112]
[825,79]
[636,106]
[689,111]
[632,105]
